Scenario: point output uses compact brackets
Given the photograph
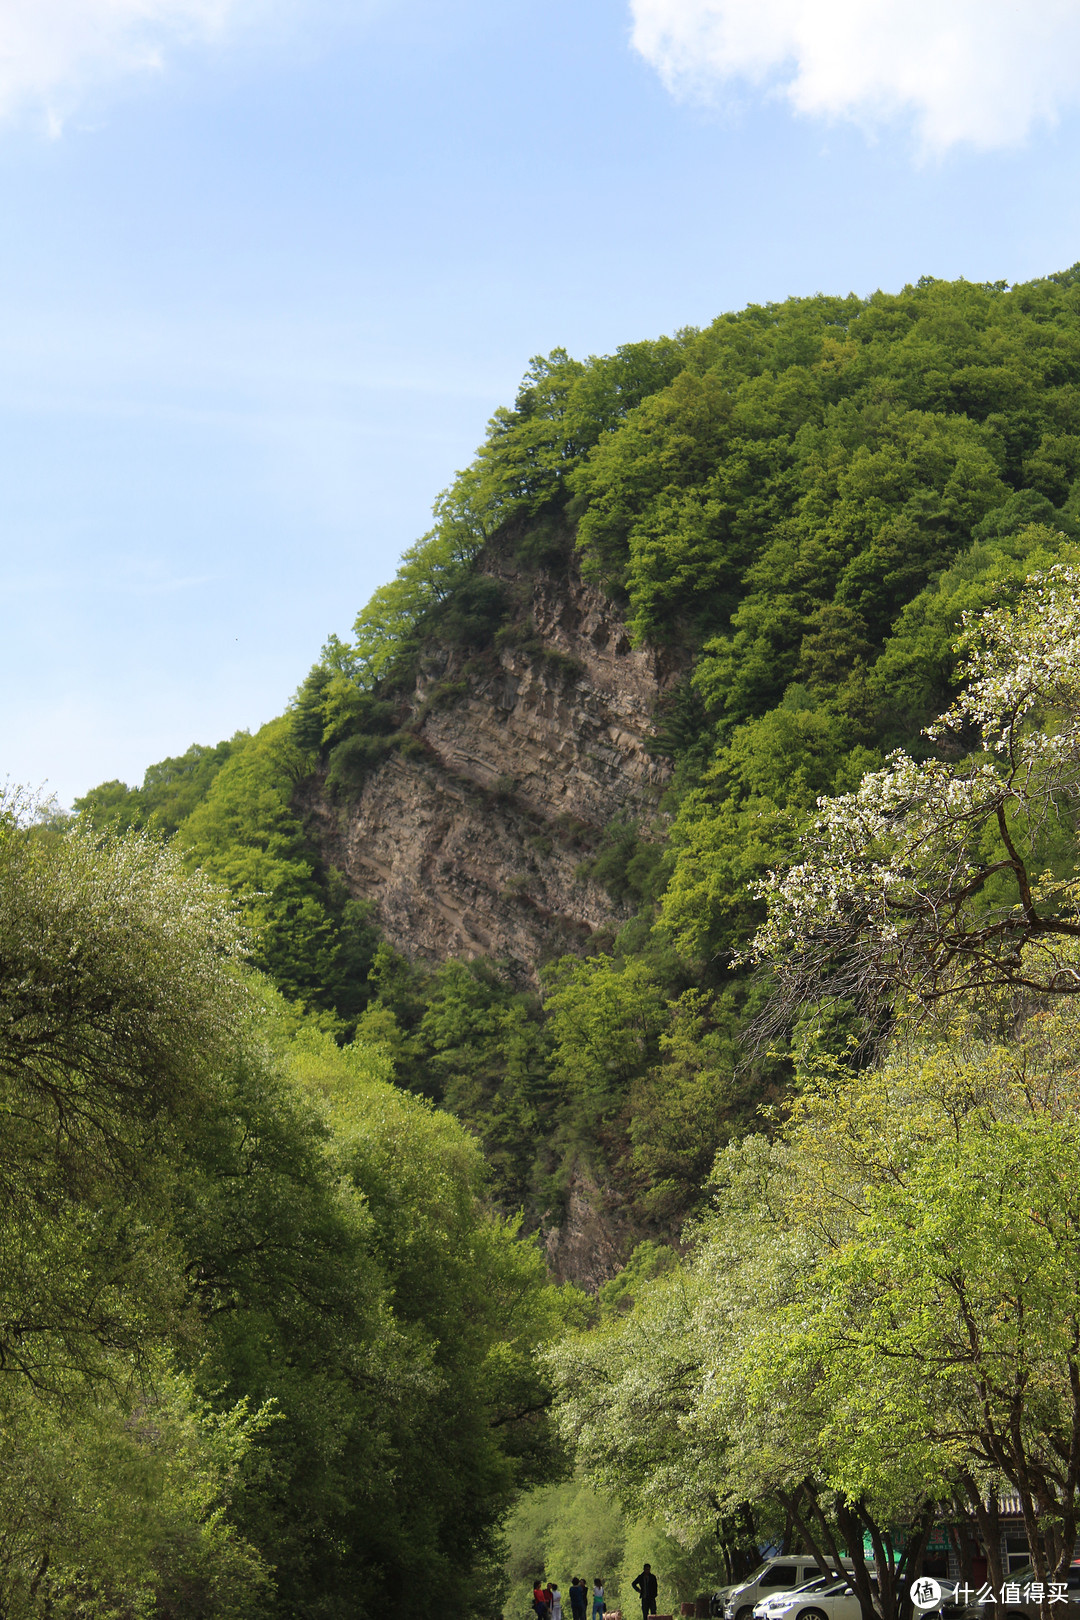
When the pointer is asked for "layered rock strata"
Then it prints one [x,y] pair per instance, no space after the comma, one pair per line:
[471,843]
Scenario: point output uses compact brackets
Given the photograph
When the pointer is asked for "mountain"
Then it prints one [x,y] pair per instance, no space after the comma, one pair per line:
[512,830]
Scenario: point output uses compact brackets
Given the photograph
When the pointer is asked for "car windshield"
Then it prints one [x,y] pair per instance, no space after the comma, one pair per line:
[747,1580]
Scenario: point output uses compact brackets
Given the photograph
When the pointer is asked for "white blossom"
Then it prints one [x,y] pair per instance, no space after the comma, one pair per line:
[930,875]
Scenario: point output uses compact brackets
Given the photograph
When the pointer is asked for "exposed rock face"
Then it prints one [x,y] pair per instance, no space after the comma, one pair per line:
[589,1245]
[469,845]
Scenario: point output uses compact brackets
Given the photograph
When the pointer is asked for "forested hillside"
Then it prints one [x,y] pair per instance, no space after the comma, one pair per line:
[264,1343]
[788,512]
[681,853]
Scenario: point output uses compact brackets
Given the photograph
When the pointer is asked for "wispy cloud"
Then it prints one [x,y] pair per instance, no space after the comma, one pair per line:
[53,51]
[980,72]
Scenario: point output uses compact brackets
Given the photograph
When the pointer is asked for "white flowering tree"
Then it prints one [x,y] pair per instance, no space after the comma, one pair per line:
[956,872]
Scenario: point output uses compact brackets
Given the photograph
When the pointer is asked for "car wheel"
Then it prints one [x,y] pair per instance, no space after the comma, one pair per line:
[745,1613]
[813,1614]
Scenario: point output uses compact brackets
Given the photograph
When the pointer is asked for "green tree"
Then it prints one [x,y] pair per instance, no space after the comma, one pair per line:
[606,1017]
[197,1177]
[952,1302]
[953,873]
[309,935]
[118,1503]
[121,1000]
[170,790]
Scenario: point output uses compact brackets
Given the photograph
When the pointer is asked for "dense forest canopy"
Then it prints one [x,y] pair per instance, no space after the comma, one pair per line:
[805,504]
[263,1343]
[803,498]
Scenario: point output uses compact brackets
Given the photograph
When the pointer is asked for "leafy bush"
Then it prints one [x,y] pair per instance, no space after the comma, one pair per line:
[628,866]
[353,761]
[471,615]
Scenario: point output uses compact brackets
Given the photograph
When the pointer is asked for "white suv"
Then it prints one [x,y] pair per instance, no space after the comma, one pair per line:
[774,1575]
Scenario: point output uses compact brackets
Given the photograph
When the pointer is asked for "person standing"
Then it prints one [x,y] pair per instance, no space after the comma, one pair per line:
[556,1603]
[645,1587]
[578,1602]
[598,1598]
[539,1602]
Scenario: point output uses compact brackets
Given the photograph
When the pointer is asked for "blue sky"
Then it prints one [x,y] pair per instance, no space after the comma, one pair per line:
[262,295]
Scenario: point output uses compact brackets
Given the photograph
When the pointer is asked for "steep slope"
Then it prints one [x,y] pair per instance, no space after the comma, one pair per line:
[745,550]
[471,844]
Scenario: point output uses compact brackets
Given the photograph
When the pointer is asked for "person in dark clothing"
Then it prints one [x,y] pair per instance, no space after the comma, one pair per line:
[579,1601]
[539,1602]
[645,1587]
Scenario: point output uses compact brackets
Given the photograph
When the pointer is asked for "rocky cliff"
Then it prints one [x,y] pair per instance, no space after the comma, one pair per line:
[471,841]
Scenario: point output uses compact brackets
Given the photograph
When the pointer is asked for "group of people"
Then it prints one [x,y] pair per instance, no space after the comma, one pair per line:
[547,1600]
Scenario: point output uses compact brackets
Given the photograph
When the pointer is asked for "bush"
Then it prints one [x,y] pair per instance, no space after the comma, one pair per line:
[353,761]
[471,616]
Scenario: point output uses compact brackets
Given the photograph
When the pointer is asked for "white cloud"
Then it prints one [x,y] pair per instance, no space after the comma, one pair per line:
[52,51]
[982,72]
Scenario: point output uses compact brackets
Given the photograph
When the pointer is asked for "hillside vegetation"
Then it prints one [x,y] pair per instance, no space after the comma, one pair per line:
[265,1346]
[802,499]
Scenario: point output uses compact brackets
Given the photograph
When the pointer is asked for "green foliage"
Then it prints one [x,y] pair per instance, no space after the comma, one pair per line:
[795,506]
[559,1531]
[314,941]
[647,1433]
[877,1321]
[120,1003]
[563,408]
[169,793]
[430,569]
[916,672]
[353,761]
[117,1002]
[265,1345]
[649,1260]
[353,1279]
[605,1018]
[629,866]
[686,1105]
[330,706]
[118,1504]
[805,461]
[958,870]
[470,617]
[462,1038]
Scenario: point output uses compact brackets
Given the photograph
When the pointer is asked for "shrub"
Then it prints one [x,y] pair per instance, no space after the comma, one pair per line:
[353,761]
